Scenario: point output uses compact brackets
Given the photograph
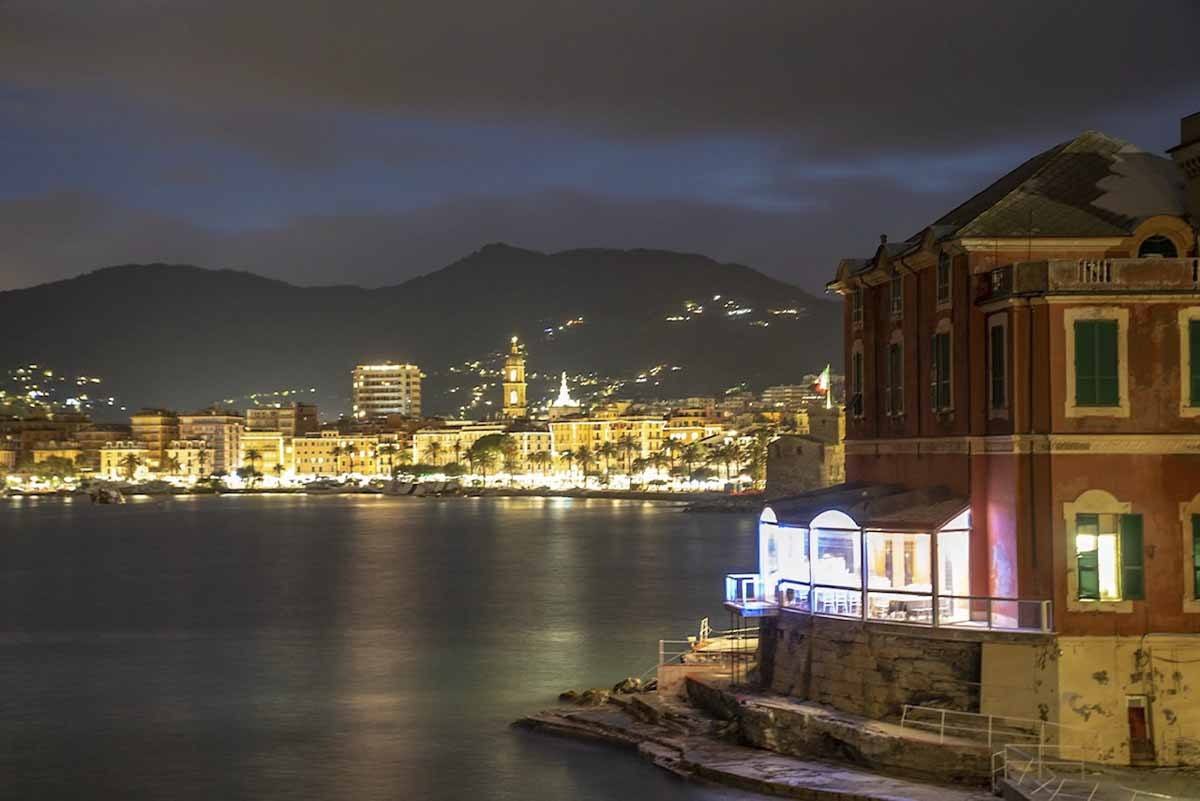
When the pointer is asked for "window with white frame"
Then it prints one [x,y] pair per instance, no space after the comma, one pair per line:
[896,295]
[997,365]
[940,395]
[1109,559]
[1097,363]
[944,277]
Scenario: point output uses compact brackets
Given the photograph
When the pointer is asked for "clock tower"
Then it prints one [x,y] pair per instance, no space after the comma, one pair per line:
[514,382]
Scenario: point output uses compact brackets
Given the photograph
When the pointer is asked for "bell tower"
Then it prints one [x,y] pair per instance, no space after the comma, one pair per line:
[514,382]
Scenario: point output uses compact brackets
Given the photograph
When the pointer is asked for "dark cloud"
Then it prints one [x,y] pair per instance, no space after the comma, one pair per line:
[53,237]
[851,75]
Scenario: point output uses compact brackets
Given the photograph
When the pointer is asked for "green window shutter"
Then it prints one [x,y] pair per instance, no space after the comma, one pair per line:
[1107,369]
[1133,570]
[1085,363]
[1194,351]
[998,371]
[1196,557]
[1087,567]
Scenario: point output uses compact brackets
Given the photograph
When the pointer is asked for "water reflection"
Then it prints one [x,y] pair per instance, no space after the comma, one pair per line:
[335,647]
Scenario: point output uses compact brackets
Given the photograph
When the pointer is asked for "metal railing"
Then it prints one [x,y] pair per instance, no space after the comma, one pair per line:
[990,729]
[1056,773]
[885,605]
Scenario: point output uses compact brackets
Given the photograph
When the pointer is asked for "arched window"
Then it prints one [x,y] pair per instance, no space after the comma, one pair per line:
[1158,245]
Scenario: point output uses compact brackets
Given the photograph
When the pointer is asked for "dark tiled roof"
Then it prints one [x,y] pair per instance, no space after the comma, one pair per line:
[1094,185]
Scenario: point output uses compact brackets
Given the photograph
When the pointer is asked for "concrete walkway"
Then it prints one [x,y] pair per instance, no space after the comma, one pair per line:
[687,743]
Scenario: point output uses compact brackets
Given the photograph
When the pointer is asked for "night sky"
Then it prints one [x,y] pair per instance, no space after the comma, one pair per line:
[368,142]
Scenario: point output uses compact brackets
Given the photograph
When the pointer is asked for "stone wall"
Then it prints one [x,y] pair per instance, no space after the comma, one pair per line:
[868,669]
[799,463]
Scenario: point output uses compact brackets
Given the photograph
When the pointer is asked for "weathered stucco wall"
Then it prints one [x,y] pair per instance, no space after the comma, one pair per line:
[1087,683]
[868,670]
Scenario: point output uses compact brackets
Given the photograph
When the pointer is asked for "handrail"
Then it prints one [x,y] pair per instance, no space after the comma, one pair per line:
[996,725]
[1016,766]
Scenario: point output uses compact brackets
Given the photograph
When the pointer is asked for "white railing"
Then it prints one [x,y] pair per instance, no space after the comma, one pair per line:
[989,729]
[1057,773]
[981,612]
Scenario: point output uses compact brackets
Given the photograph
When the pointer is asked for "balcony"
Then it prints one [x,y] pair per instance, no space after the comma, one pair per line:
[744,594]
[1092,276]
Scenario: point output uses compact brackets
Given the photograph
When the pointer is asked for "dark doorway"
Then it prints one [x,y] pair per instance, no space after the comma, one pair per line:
[1141,746]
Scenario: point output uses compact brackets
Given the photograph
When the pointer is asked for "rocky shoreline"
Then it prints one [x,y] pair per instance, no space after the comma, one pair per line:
[708,745]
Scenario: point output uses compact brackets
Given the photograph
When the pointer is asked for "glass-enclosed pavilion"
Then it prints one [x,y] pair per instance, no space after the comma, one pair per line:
[874,553]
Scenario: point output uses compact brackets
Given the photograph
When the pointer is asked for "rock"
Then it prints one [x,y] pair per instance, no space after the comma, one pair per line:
[596,696]
[568,697]
[650,686]
[628,686]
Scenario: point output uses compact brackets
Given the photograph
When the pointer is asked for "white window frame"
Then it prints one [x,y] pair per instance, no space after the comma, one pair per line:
[1091,502]
[1191,604]
[1078,314]
[944,326]
[896,298]
[949,299]
[999,321]
[1186,316]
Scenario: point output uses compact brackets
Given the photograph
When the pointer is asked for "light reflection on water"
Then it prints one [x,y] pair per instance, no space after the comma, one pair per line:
[333,647]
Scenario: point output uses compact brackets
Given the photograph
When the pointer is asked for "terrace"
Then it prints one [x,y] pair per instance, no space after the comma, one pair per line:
[907,562]
[1093,276]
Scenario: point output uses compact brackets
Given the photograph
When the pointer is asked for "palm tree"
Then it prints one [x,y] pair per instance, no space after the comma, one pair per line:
[457,447]
[585,457]
[253,457]
[433,452]
[202,460]
[388,451]
[169,465]
[541,460]
[690,454]
[129,463]
[568,456]
[606,451]
[627,446]
[509,452]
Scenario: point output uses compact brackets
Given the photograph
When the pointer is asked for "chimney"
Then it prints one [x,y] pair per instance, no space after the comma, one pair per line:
[1187,156]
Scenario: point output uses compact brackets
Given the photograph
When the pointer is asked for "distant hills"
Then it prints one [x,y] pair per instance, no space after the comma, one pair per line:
[182,336]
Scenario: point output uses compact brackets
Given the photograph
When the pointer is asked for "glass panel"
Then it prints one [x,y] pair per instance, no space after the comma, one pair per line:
[1097,556]
[838,558]
[954,576]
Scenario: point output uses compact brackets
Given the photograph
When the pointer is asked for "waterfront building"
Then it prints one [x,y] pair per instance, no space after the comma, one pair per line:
[383,389]
[155,428]
[1022,504]
[645,433]
[8,456]
[69,450]
[265,452]
[124,459]
[514,407]
[190,458]
[222,430]
[317,453]
[789,396]
[692,425]
[330,452]
[291,420]
[531,440]
[449,441]
[93,436]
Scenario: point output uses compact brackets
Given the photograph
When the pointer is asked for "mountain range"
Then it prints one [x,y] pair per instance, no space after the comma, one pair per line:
[182,336]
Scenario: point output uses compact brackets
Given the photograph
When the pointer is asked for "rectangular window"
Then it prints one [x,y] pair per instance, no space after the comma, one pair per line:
[896,293]
[1194,358]
[943,279]
[940,380]
[1109,558]
[856,384]
[998,345]
[1096,381]
[895,364]
[856,305]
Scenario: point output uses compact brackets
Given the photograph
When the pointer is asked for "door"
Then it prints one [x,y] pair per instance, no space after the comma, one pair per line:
[1141,746]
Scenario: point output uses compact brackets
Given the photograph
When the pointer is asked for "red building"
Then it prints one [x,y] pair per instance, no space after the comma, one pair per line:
[1023,449]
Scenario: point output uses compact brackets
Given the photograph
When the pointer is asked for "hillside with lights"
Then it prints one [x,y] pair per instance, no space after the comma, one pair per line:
[623,323]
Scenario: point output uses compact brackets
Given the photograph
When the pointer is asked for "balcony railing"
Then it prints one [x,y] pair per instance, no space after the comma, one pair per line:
[746,594]
[1093,276]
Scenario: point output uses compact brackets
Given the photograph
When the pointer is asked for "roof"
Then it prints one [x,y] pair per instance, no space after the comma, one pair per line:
[1094,185]
[875,506]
